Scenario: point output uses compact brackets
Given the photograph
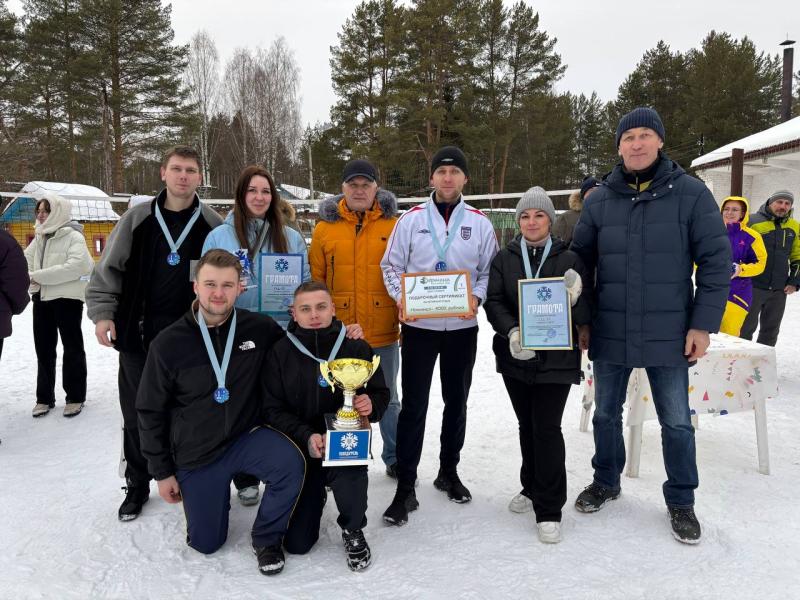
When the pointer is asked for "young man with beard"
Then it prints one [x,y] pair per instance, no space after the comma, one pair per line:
[200,415]
[141,285]
[297,399]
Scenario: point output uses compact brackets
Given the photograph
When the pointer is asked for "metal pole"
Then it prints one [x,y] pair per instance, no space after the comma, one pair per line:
[310,172]
[786,87]
[737,171]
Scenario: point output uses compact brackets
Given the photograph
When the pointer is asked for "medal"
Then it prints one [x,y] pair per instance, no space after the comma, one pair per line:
[221,395]
[173,258]
[322,382]
[441,266]
[334,351]
[441,250]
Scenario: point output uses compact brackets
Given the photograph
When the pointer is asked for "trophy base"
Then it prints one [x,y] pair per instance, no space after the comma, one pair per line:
[347,419]
[346,447]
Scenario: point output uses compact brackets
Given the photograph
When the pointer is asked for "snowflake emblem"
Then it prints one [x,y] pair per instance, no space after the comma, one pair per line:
[544,294]
[281,265]
[349,441]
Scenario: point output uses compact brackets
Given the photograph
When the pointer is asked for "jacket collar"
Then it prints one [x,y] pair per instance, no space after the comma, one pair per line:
[665,172]
[335,208]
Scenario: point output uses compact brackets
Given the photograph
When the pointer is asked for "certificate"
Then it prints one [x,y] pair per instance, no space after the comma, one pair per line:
[279,276]
[437,294]
[545,316]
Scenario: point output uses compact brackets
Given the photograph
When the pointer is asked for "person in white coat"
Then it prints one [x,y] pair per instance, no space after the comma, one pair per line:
[59,265]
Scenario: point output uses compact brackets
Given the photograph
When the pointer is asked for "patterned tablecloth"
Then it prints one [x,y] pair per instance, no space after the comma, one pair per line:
[732,375]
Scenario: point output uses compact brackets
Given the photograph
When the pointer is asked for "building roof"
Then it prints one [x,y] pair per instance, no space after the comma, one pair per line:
[88,202]
[781,139]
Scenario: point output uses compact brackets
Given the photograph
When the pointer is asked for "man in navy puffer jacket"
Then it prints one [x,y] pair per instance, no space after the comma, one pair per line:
[643,231]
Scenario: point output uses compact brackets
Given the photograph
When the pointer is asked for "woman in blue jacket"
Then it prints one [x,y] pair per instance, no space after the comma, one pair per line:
[256,224]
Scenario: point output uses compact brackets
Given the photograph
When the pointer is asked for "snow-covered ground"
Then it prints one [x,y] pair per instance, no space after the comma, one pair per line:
[60,538]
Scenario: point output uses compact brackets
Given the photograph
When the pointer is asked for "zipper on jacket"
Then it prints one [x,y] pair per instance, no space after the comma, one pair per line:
[360,223]
[333,272]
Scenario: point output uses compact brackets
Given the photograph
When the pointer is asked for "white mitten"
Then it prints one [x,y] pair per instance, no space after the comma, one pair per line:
[514,346]
[574,285]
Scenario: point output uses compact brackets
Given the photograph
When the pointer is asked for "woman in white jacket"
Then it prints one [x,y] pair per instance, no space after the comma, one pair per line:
[59,265]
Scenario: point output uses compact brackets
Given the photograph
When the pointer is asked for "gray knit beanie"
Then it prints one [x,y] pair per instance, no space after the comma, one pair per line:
[781,194]
[536,198]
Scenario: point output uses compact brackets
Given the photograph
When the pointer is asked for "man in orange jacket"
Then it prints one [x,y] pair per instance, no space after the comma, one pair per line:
[346,250]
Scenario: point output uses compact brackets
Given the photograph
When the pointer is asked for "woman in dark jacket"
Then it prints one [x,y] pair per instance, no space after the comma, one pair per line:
[538,383]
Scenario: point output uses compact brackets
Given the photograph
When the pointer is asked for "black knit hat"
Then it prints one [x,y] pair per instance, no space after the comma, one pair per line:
[359,168]
[450,156]
[641,117]
[589,182]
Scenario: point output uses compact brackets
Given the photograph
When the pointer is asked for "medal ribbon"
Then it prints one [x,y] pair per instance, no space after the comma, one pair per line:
[526,261]
[441,251]
[299,345]
[174,245]
[219,370]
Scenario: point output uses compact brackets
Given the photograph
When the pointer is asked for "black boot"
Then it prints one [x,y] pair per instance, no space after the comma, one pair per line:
[359,556]
[593,497]
[685,526]
[270,559]
[136,495]
[448,481]
[405,501]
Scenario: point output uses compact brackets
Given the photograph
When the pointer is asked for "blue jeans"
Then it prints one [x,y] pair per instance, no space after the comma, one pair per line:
[670,387]
[390,363]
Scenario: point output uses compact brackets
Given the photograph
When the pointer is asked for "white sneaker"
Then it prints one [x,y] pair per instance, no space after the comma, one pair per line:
[41,409]
[248,496]
[520,504]
[549,532]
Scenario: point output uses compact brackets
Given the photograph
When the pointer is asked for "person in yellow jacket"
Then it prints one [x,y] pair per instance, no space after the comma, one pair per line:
[749,260]
[346,250]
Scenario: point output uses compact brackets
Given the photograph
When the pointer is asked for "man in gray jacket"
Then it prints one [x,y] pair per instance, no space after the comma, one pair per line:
[141,285]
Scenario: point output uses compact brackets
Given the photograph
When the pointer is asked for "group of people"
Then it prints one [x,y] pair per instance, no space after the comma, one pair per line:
[212,391]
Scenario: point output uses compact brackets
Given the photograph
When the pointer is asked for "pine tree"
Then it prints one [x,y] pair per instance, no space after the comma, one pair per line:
[11,59]
[137,83]
[593,150]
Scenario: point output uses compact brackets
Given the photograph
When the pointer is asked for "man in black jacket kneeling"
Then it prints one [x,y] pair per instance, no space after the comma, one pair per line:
[200,416]
[296,402]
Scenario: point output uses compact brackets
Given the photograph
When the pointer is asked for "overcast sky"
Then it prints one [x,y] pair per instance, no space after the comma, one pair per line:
[600,42]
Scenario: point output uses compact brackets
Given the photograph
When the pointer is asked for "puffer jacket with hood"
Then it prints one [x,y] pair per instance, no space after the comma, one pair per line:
[781,237]
[748,252]
[58,258]
[224,237]
[346,252]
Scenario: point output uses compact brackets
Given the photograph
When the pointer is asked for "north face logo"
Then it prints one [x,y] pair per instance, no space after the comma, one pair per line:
[247,345]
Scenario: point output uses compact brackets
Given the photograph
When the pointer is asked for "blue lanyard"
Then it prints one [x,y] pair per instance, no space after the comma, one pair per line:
[334,351]
[174,258]
[526,261]
[441,251]
[221,394]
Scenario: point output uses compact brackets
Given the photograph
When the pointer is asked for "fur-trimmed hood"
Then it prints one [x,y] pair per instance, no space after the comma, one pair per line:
[329,208]
[575,201]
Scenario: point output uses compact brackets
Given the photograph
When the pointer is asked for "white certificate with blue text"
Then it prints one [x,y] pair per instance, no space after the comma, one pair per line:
[545,316]
[279,277]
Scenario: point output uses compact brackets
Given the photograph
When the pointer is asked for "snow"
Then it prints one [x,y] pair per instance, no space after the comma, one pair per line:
[59,493]
[788,131]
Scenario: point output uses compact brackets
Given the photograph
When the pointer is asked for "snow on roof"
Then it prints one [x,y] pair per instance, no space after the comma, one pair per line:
[301,192]
[785,133]
[88,202]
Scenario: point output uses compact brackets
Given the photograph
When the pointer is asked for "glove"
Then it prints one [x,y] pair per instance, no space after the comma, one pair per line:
[574,285]
[515,348]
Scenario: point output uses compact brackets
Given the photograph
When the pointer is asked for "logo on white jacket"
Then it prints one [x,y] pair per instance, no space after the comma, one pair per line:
[247,345]
[466,232]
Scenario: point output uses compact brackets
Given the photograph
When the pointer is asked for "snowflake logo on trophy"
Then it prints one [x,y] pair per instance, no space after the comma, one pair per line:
[281,265]
[544,293]
[349,441]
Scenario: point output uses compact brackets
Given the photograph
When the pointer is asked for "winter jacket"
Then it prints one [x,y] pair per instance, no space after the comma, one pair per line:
[566,221]
[346,252]
[411,250]
[224,237]
[781,237]
[295,403]
[642,238]
[121,279]
[58,259]
[14,282]
[502,309]
[181,426]
[749,253]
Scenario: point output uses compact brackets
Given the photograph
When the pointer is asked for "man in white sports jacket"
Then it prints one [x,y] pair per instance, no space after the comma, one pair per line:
[444,234]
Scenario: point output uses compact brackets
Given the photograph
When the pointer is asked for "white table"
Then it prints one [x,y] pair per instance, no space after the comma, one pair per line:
[735,375]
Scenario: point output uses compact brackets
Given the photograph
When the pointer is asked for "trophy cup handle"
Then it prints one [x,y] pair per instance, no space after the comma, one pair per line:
[326,374]
[376,360]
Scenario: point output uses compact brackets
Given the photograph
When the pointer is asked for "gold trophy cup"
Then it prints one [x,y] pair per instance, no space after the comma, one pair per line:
[348,374]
